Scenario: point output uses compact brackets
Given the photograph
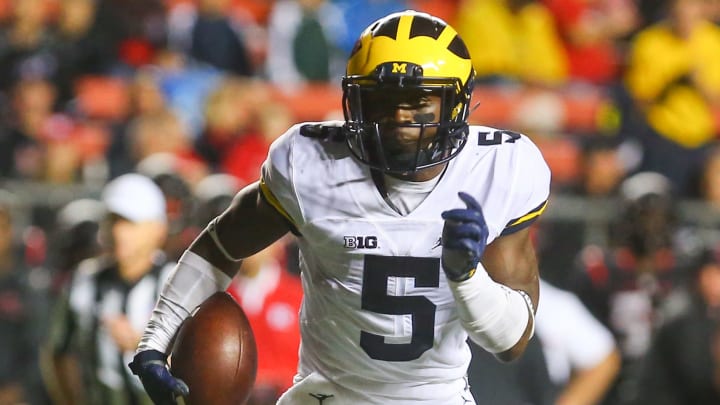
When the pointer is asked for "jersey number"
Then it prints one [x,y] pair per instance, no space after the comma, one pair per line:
[498,137]
[375,298]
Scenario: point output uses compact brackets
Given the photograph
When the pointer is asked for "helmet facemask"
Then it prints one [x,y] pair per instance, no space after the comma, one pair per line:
[368,99]
[406,93]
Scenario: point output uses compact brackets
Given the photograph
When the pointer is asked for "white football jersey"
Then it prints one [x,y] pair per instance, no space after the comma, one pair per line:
[377,314]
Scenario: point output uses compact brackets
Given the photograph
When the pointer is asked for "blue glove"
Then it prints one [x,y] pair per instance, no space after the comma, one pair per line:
[464,239]
[161,386]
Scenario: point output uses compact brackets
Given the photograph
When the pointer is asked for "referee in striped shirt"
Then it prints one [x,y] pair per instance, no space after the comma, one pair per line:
[99,320]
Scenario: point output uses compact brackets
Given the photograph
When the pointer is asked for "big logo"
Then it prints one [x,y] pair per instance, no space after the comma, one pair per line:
[361,242]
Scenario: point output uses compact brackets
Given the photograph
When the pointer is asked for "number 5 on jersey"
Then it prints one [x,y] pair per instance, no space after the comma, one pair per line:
[376,271]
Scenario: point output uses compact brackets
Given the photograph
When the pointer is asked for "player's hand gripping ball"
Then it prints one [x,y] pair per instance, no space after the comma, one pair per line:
[215,353]
[214,358]
[464,239]
[151,367]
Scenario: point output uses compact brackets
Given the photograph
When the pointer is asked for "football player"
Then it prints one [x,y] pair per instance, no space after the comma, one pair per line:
[412,227]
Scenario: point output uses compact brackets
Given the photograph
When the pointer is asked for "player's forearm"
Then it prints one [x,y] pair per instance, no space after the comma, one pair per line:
[519,348]
[246,227]
[193,280]
[588,387]
[497,318]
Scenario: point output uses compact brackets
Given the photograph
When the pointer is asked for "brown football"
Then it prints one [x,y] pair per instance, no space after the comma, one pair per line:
[214,353]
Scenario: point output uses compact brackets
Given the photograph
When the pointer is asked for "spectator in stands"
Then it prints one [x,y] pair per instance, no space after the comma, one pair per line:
[573,359]
[234,140]
[26,44]
[254,10]
[651,11]
[163,133]
[21,317]
[179,201]
[146,95]
[625,284]
[185,86]
[44,146]
[213,195]
[521,382]
[714,11]
[229,111]
[602,169]
[592,32]
[109,300]
[512,40]
[683,364]
[22,155]
[63,160]
[209,34]
[302,45]
[85,41]
[271,297]
[709,182]
[75,237]
[581,355]
[141,24]
[677,98]
[146,98]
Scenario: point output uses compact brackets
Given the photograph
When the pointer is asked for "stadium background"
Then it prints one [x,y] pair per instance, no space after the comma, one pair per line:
[191,92]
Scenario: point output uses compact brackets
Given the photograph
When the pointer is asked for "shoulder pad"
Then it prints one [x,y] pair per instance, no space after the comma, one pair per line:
[324,132]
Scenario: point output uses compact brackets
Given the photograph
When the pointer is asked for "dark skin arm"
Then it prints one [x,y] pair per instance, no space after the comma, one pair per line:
[510,260]
[248,226]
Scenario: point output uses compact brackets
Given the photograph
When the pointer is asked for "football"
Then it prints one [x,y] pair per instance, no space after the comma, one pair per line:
[214,353]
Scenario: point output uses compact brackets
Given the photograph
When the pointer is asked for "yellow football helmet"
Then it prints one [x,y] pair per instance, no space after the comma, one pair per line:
[404,54]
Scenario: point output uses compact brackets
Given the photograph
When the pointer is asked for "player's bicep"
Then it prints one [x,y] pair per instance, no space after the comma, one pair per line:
[271,201]
[251,222]
[510,260]
[246,227]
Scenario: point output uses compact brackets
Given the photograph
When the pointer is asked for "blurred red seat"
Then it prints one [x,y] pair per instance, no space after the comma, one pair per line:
[4,10]
[313,102]
[257,10]
[445,9]
[562,156]
[102,97]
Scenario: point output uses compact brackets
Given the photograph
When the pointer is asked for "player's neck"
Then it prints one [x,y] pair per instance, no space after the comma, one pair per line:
[422,175]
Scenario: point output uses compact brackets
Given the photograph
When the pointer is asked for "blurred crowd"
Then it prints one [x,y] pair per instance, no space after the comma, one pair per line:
[191,93]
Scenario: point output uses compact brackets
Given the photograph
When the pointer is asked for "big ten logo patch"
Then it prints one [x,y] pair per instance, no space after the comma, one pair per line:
[361,242]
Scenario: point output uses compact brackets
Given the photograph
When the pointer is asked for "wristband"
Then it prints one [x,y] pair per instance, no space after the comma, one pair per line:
[494,316]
